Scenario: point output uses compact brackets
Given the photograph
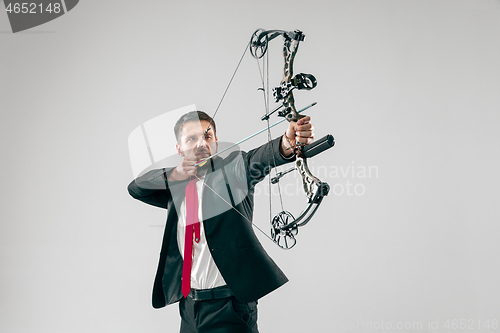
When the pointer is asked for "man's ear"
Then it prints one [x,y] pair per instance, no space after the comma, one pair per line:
[179,151]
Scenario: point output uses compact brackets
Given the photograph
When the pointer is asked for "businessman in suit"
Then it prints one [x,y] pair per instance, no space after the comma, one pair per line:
[211,261]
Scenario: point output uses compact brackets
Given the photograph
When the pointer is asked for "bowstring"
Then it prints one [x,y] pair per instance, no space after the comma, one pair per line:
[265,85]
[227,88]
[234,208]
[223,95]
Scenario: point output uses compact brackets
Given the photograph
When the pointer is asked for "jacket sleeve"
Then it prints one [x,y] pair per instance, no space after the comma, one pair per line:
[151,188]
[259,159]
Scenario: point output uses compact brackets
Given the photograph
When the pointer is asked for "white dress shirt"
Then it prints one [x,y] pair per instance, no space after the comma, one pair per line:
[204,271]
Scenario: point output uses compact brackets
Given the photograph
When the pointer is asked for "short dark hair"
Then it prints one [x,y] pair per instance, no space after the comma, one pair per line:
[192,116]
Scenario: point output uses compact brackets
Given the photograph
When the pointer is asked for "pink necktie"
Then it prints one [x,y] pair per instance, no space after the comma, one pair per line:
[192,225]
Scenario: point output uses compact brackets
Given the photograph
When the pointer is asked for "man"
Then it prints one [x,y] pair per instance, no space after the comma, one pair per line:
[211,260]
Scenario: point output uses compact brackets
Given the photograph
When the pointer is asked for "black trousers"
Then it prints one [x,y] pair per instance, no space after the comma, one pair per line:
[224,315]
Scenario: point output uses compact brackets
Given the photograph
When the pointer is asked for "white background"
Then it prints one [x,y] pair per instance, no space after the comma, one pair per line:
[410,88]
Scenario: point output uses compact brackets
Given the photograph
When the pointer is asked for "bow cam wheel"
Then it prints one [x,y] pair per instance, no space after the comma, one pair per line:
[258,44]
[281,235]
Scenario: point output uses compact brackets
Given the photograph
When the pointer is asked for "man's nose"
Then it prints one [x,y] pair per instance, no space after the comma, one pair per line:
[202,141]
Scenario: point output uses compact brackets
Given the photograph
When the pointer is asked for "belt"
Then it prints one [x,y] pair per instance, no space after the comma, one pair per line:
[207,294]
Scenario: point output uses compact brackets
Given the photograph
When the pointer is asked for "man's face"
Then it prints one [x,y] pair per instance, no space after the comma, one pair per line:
[194,143]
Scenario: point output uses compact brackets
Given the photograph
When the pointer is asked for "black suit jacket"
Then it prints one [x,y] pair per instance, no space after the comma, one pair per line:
[246,267]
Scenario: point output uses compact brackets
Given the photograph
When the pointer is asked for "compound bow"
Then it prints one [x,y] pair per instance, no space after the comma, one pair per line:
[284,226]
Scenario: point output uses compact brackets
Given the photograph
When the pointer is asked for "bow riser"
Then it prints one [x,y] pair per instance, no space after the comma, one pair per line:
[309,182]
[290,48]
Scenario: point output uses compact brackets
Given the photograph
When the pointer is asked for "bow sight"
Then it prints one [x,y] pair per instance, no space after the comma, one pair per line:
[258,47]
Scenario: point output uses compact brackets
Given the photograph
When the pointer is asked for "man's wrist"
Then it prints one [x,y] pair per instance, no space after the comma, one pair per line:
[174,175]
[287,146]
